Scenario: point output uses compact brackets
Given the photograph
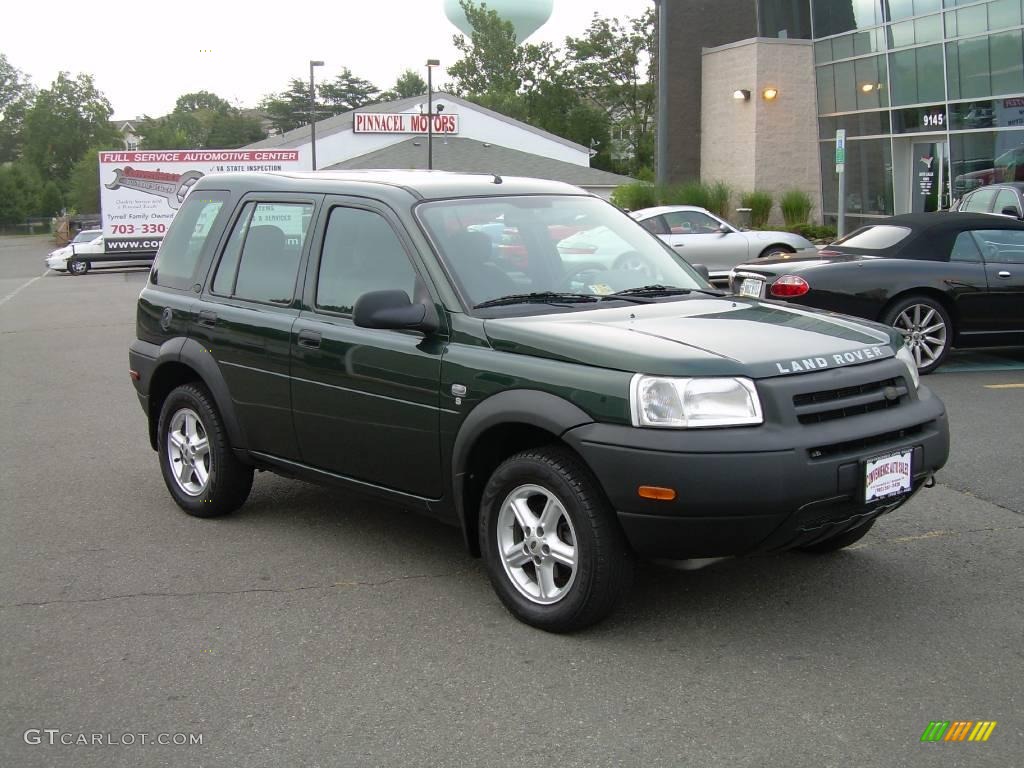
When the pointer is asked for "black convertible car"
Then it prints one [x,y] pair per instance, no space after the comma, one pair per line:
[944,279]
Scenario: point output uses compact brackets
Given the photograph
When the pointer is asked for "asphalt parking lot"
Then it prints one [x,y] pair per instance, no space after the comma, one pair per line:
[314,630]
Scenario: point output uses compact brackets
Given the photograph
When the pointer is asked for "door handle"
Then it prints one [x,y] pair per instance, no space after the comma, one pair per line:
[678,245]
[309,339]
[1004,273]
[207,318]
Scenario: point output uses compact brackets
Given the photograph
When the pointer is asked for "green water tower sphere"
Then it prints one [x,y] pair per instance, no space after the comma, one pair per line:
[527,16]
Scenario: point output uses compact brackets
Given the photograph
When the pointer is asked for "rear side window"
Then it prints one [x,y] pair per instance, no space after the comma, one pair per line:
[1001,246]
[361,253]
[980,201]
[875,238]
[179,253]
[261,258]
[690,223]
[965,249]
[1007,199]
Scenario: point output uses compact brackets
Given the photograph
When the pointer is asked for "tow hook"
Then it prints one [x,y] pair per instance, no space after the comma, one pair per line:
[930,482]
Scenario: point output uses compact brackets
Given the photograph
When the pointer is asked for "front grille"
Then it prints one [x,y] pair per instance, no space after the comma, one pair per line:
[831,404]
[857,446]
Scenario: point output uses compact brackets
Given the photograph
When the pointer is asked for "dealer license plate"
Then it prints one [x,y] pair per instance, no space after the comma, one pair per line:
[887,475]
[751,287]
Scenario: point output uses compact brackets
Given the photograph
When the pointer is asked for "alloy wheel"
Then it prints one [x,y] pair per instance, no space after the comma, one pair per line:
[924,332]
[188,451]
[537,544]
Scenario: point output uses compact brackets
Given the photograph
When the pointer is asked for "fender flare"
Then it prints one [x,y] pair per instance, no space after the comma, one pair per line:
[518,406]
[198,357]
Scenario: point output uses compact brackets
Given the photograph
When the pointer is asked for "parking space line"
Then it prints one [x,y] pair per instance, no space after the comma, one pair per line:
[1004,386]
[20,288]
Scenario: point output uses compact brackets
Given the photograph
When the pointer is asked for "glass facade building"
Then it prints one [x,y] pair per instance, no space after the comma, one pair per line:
[929,92]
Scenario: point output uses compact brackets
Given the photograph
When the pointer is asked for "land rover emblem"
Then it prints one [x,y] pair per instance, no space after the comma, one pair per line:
[165,318]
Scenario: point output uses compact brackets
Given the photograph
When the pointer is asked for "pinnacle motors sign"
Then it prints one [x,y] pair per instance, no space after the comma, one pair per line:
[141,191]
[403,122]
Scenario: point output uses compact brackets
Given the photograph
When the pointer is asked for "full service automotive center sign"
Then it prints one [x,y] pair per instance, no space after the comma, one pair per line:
[141,191]
[402,122]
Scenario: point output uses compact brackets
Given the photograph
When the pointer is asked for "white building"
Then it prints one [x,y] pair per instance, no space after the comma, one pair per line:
[467,138]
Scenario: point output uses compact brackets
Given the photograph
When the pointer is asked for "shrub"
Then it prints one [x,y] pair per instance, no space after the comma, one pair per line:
[796,207]
[719,199]
[812,232]
[687,193]
[635,196]
[760,205]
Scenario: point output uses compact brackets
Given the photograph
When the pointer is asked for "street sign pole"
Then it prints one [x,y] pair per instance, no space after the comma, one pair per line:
[841,172]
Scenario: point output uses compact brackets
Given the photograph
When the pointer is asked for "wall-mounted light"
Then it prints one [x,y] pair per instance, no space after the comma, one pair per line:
[770,94]
[867,87]
[741,94]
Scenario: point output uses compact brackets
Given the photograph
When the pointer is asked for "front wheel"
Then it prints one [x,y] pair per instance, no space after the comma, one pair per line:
[200,470]
[78,266]
[926,327]
[554,551]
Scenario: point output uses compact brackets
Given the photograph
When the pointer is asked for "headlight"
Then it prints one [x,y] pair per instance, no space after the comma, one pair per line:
[908,360]
[687,403]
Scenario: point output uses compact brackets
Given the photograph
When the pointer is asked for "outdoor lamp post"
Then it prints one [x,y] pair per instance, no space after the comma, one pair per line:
[431,63]
[312,110]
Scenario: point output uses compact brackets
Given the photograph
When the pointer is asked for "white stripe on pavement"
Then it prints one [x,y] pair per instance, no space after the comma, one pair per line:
[20,288]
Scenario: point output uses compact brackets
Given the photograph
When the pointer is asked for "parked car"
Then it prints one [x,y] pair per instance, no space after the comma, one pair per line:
[88,250]
[564,421]
[703,238]
[943,280]
[1001,199]
[88,241]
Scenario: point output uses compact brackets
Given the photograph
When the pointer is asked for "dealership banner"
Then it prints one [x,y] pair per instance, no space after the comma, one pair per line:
[141,191]
[402,122]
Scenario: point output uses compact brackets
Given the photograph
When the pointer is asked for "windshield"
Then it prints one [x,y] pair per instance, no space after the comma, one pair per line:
[515,246]
[86,236]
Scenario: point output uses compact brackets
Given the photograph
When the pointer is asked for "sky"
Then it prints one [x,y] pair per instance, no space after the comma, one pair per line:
[143,55]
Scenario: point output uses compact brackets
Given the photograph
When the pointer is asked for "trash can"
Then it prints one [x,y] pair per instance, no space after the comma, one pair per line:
[743,217]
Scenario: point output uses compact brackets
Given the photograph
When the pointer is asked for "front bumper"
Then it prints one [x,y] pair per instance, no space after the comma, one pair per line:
[769,488]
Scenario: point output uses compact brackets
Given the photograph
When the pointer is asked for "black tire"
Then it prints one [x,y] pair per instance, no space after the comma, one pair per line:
[228,480]
[775,250]
[927,354]
[604,562]
[836,543]
[78,267]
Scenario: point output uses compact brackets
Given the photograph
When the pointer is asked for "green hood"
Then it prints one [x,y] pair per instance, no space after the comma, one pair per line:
[729,336]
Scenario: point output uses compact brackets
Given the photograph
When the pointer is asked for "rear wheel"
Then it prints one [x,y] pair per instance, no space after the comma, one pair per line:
[926,327]
[553,548]
[199,468]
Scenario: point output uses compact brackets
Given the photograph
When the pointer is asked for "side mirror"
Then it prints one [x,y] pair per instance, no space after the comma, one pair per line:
[701,270]
[1011,211]
[393,310]
[724,229]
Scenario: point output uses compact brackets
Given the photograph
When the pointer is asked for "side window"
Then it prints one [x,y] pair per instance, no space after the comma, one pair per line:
[965,249]
[656,225]
[1007,198]
[179,252]
[1001,246]
[261,259]
[981,201]
[690,223]
[361,253]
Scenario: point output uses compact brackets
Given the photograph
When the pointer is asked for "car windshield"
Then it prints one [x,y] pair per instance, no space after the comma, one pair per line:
[86,236]
[541,245]
[874,238]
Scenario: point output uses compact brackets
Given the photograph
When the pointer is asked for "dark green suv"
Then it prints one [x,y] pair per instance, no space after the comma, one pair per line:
[522,360]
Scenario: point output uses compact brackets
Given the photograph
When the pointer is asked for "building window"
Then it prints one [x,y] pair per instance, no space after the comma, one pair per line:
[914,75]
[833,17]
[868,177]
[784,18]
[985,157]
[986,66]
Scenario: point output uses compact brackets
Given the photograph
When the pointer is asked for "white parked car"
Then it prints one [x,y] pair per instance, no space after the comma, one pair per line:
[88,241]
[87,248]
[703,238]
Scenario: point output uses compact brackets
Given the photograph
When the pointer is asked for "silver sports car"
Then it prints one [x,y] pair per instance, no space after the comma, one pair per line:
[701,237]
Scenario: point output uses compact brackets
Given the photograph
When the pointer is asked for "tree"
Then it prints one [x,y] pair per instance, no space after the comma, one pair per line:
[51,200]
[408,84]
[20,193]
[64,121]
[346,92]
[233,129]
[289,109]
[613,63]
[16,94]
[175,131]
[201,120]
[84,186]
[201,100]
[492,62]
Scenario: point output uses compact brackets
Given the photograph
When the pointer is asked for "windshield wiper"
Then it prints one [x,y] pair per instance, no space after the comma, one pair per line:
[663,290]
[542,297]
